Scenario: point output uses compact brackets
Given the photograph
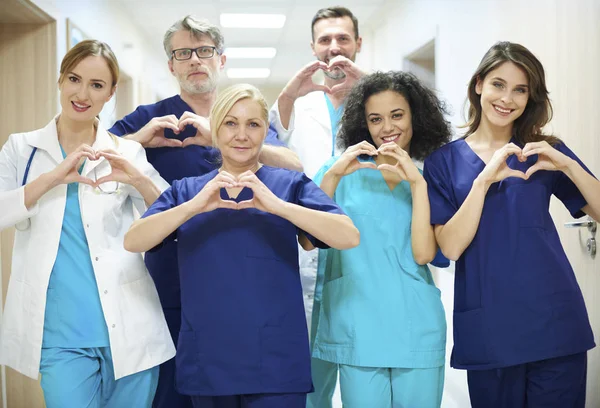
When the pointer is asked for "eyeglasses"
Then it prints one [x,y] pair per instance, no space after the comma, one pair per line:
[184,54]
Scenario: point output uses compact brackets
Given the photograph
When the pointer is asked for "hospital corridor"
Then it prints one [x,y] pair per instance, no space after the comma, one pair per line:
[298,203]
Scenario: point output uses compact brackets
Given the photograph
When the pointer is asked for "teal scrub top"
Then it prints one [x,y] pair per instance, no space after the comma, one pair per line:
[73,316]
[379,308]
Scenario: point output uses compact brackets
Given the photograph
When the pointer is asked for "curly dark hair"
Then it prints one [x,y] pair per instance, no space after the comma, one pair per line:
[430,129]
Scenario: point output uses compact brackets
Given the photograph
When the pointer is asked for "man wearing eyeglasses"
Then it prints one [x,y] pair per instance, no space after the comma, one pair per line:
[177,138]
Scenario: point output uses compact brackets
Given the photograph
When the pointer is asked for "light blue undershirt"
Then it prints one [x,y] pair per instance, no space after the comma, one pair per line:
[73,316]
[335,115]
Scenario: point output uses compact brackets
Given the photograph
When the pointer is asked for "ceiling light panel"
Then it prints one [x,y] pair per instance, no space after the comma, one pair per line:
[239,73]
[252,20]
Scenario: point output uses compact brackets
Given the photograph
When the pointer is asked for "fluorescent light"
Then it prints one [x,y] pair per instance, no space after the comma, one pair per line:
[238,73]
[252,20]
[249,52]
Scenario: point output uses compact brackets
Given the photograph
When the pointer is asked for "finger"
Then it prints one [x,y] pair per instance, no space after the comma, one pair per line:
[85,148]
[392,154]
[367,165]
[535,145]
[531,152]
[228,204]
[186,114]
[227,178]
[168,119]
[533,169]
[105,179]
[245,204]
[193,140]
[84,180]
[339,60]
[168,142]
[249,181]
[367,145]
[110,156]
[516,173]
[317,87]
[392,169]
[358,152]
[339,87]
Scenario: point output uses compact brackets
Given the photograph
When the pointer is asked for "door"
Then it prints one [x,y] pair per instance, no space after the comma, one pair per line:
[576,95]
[28,82]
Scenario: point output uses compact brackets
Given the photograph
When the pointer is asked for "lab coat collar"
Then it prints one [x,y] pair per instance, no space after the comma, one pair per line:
[47,139]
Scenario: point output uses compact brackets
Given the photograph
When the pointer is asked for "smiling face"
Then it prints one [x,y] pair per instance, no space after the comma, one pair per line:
[196,75]
[333,37]
[504,95]
[242,133]
[86,88]
[389,119]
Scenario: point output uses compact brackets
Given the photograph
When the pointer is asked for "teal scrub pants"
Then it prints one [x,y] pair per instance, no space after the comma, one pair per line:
[391,387]
[85,378]
[324,373]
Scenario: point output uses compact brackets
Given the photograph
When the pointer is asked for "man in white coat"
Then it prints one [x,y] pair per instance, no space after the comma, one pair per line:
[305,116]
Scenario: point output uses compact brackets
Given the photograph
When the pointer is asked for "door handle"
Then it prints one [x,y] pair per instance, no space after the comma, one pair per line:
[591,225]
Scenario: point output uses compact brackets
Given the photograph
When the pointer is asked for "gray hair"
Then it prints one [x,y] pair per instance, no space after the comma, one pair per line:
[197,28]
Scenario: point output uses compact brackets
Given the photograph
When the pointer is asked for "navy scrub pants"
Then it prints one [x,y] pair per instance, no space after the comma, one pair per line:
[553,383]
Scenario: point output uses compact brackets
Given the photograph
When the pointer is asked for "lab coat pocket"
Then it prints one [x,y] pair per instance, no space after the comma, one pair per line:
[143,311]
[336,318]
[470,338]
[428,320]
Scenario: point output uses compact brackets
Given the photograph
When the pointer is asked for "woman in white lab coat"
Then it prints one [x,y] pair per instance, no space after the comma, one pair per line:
[80,309]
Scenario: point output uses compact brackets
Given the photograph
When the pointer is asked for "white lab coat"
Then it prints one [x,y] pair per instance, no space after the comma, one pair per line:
[309,136]
[139,336]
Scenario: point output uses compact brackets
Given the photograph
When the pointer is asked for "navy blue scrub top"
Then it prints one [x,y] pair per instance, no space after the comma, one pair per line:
[243,328]
[173,163]
[516,297]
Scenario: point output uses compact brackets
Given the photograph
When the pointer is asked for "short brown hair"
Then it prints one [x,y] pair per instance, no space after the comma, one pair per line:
[334,12]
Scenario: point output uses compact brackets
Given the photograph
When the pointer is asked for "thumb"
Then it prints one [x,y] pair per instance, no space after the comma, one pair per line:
[368,165]
[530,171]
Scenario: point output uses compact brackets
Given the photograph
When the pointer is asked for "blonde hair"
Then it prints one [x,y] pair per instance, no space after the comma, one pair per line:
[230,97]
[85,49]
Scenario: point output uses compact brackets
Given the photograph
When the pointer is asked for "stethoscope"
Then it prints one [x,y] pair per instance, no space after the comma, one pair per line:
[25,224]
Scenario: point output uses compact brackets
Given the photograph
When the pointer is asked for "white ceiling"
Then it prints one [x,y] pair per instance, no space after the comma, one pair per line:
[154,17]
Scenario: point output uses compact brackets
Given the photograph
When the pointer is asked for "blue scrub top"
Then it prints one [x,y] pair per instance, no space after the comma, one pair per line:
[379,308]
[516,297]
[243,327]
[73,316]
[173,163]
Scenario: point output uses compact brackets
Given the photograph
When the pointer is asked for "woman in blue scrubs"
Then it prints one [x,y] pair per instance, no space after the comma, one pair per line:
[381,318]
[80,309]
[521,327]
[243,339]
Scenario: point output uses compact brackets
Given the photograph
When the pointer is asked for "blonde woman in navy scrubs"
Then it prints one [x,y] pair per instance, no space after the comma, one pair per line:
[521,327]
[80,309]
[243,339]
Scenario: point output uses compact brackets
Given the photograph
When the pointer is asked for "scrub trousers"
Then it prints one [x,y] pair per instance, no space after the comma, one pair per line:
[377,387]
[324,373]
[251,401]
[85,378]
[553,383]
[166,393]
[391,387]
